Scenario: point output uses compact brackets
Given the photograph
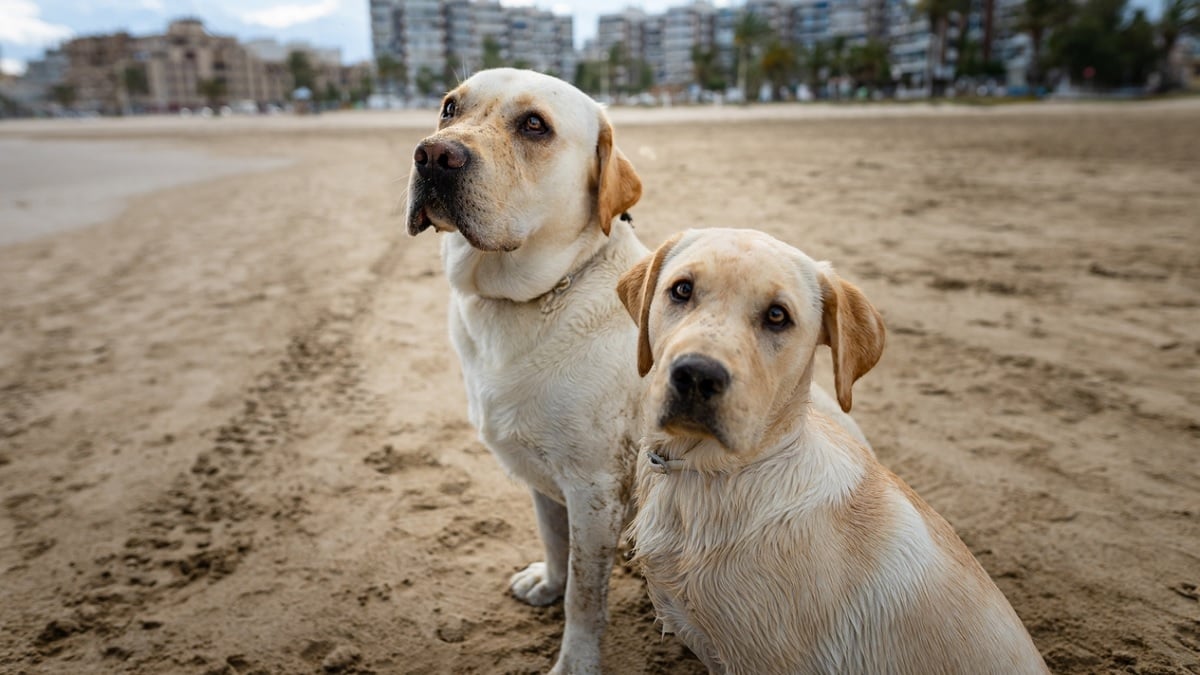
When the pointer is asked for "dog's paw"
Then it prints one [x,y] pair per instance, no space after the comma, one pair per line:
[533,586]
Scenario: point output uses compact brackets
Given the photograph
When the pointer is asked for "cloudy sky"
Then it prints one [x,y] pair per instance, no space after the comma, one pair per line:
[27,27]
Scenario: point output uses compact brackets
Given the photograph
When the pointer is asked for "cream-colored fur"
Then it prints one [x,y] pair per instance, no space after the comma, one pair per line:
[533,249]
[784,546]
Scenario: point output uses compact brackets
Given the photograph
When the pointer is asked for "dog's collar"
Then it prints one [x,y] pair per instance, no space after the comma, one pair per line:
[660,464]
[565,283]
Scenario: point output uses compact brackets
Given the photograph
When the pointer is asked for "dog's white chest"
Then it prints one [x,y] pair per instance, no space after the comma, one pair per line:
[543,389]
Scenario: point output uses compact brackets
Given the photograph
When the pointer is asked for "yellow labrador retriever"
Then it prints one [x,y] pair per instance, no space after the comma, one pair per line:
[526,184]
[524,179]
[771,540]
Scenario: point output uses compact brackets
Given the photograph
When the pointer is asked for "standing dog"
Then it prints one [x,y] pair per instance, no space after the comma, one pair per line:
[771,540]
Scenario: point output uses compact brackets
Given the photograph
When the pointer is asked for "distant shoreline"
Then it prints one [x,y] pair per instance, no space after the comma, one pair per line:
[58,185]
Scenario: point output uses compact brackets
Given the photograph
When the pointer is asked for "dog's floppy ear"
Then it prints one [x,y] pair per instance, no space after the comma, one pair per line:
[854,331]
[618,186]
[636,289]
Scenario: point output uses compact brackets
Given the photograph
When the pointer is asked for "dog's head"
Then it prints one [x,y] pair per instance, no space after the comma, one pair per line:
[517,153]
[729,322]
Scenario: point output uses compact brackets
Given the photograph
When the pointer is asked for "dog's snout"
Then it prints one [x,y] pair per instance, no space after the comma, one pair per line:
[698,377]
[441,157]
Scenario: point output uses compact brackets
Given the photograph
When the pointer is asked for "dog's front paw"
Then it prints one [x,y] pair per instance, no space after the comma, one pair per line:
[534,586]
[570,665]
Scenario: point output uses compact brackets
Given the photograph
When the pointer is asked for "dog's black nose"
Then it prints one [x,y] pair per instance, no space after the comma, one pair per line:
[694,376]
[444,157]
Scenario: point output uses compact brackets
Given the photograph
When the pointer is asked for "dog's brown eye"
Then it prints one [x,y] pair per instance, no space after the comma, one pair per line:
[776,318]
[681,291]
[448,109]
[534,125]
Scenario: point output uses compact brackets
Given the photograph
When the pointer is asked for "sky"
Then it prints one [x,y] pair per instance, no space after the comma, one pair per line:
[28,27]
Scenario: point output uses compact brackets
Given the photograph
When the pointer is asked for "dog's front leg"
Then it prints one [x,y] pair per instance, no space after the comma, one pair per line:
[595,518]
[542,582]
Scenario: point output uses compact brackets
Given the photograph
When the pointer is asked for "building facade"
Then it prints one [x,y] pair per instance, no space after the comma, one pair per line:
[668,41]
[438,42]
[184,67]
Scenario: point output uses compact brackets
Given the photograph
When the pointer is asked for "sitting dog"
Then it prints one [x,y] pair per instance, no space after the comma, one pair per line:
[771,539]
[526,183]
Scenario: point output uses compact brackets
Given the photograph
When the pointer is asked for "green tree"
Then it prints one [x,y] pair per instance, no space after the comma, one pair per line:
[135,81]
[301,70]
[643,75]
[450,73]
[988,11]
[332,93]
[1040,18]
[63,94]
[707,69]
[426,81]
[937,13]
[364,89]
[972,63]
[1093,41]
[817,66]
[1138,51]
[870,64]
[390,73]
[212,89]
[1179,17]
[779,66]
[493,52]
[616,69]
[749,34]
[589,76]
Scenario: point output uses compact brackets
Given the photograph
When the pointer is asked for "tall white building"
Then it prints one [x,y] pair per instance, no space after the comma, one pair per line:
[685,29]
[444,40]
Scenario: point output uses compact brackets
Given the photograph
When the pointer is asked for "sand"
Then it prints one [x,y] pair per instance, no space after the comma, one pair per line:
[233,437]
[50,186]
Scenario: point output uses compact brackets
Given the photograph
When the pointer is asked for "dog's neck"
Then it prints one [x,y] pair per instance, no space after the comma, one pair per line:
[821,461]
[539,267]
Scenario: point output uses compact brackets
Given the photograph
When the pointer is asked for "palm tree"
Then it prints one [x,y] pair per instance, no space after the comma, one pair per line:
[938,13]
[870,64]
[778,64]
[989,29]
[1178,17]
[1038,18]
[749,33]
[816,65]
[707,69]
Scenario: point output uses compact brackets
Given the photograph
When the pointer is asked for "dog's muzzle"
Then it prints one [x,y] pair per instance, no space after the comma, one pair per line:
[438,166]
[697,384]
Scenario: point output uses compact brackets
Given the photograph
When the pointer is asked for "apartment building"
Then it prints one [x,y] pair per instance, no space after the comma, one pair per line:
[177,62]
[666,41]
[623,28]
[170,71]
[439,41]
[542,41]
[685,29]
[95,69]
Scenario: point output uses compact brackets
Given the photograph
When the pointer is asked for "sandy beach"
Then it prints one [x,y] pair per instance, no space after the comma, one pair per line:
[233,434]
